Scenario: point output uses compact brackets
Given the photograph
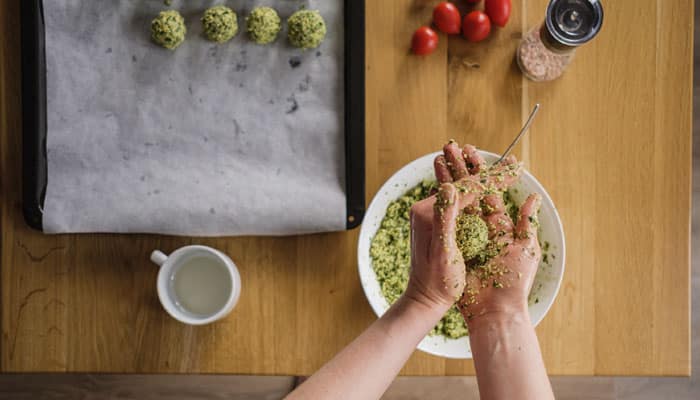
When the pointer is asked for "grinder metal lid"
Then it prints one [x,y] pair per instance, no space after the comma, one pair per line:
[572,23]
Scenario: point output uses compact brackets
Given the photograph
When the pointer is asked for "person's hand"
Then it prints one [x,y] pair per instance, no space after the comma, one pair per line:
[437,266]
[501,287]
[503,284]
[464,166]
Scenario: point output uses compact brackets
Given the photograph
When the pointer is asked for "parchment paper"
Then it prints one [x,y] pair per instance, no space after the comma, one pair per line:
[210,139]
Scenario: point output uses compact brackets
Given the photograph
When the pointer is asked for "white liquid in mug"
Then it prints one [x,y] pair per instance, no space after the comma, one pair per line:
[202,285]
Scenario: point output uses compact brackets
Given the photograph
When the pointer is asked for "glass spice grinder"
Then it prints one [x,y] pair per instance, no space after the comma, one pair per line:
[546,50]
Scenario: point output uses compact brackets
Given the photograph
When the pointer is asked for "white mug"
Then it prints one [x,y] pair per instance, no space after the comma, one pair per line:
[169,282]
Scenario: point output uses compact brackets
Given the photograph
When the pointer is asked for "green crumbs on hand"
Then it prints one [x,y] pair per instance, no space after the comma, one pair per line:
[168,29]
[263,24]
[306,29]
[220,24]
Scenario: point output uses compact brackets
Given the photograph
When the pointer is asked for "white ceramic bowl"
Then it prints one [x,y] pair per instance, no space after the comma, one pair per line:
[547,280]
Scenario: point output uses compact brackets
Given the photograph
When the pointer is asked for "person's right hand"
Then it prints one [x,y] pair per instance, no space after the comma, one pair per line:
[503,284]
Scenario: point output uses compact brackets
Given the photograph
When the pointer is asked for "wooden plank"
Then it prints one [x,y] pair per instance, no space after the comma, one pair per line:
[612,146]
[562,151]
[619,122]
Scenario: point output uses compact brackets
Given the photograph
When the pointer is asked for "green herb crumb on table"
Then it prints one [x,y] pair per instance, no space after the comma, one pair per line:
[220,24]
[306,29]
[263,24]
[168,29]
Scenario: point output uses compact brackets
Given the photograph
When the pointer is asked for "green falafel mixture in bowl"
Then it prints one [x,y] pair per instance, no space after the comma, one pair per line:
[220,24]
[306,29]
[168,29]
[263,24]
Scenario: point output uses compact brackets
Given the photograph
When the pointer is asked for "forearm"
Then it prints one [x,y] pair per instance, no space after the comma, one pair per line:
[366,367]
[507,358]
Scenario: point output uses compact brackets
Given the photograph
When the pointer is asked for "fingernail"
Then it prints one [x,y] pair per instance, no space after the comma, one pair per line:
[538,201]
[451,194]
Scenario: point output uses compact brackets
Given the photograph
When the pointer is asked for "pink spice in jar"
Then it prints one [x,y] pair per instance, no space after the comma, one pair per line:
[546,51]
[539,63]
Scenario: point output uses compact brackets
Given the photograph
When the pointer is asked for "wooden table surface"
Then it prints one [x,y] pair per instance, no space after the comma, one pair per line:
[612,145]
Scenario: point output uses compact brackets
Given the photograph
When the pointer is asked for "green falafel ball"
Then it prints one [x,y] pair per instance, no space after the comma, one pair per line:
[220,24]
[472,235]
[306,29]
[168,29]
[263,25]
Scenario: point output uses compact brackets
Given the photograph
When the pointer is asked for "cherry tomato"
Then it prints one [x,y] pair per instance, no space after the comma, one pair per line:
[447,18]
[425,41]
[476,26]
[498,11]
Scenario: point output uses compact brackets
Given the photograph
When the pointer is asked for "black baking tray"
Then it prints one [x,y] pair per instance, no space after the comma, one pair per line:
[34,173]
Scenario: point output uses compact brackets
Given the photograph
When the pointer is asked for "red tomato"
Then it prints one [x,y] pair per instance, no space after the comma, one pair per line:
[425,41]
[447,18]
[498,11]
[476,26]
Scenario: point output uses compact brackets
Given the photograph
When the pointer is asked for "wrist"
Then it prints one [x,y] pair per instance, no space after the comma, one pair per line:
[419,296]
[424,306]
[498,317]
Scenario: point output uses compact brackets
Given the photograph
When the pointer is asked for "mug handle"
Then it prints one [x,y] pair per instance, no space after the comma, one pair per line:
[158,257]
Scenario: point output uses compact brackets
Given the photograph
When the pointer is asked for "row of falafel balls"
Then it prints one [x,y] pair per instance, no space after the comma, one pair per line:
[306,28]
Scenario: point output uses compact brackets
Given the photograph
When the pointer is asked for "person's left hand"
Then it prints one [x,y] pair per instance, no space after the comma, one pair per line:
[437,267]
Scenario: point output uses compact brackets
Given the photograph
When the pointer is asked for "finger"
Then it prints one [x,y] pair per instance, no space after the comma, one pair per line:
[497,219]
[422,212]
[470,297]
[475,162]
[455,161]
[493,204]
[470,191]
[472,207]
[509,160]
[421,225]
[505,174]
[526,229]
[445,221]
[442,173]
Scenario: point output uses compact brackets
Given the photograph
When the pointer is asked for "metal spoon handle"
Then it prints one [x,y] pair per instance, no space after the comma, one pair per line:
[522,132]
